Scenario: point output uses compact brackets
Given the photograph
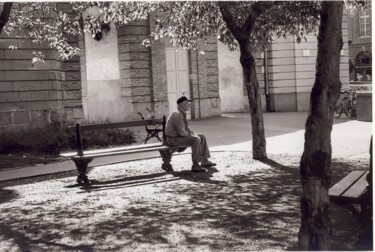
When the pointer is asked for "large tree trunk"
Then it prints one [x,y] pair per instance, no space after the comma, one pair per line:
[315,230]
[4,15]
[252,86]
[242,35]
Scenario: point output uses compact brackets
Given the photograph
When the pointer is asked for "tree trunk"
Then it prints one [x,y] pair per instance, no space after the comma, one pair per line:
[315,230]
[252,86]
[4,15]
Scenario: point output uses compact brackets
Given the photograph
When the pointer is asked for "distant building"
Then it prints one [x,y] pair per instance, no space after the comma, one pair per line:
[360,46]
[286,74]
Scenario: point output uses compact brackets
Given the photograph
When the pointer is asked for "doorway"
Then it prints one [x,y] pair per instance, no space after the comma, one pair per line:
[177,77]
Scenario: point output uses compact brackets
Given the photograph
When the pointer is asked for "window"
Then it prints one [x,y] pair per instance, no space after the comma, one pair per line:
[364,20]
[363,69]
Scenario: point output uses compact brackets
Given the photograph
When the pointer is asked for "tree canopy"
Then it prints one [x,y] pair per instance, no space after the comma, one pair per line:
[186,23]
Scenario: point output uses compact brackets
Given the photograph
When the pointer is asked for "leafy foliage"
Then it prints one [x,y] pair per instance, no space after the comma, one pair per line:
[185,23]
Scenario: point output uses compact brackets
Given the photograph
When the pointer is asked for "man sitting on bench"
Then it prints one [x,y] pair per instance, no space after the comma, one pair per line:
[179,135]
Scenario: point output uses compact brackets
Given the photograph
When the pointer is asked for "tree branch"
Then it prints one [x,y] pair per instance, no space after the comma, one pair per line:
[231,22]
[5,13]
[256,10]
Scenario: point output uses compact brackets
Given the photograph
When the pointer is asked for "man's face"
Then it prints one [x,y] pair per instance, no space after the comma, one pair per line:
[185,105]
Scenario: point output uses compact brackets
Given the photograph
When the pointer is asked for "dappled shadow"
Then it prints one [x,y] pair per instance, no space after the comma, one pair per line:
[257,207]
[7,195]
[142,180]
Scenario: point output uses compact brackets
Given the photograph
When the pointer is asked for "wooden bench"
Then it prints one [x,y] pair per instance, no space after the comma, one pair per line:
[82,157]
[351,191]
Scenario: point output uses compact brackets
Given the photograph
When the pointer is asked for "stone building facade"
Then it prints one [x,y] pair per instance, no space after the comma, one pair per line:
[113,79]
[286,74]
[360,45]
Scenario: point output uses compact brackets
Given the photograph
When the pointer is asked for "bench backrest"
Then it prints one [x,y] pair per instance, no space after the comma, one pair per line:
[79,128]
[115,125]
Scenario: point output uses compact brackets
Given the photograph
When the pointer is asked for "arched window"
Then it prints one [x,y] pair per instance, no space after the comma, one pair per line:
[363,70]
[365,20]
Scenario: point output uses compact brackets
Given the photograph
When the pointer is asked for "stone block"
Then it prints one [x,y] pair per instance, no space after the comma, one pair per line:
[72,95]
[140,73]
[124,48]
[139,56]
[124,56]
[72,76]
[130,39]
[33,105]
[39,116]
[71,66]
[32,85]
[40,96]
[6,86]
[133,30]
[2,75]
[140,82]
[137,47]
[26,75]
[141,91]
[138,64]
[9,97]
[71,85]
[20,117]
[78,113]
[136,99]
[27,54]
[5,118]
[72,103]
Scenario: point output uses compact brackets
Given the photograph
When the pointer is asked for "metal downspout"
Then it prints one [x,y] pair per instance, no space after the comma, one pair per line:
[199,95]
[268,105]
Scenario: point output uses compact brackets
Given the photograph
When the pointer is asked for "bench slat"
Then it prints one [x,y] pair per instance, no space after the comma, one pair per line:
[131,147]
[116,125]
[338,189]
[356,190]
[104,154]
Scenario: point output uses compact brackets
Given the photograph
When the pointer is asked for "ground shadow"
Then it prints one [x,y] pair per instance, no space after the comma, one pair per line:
[194,211]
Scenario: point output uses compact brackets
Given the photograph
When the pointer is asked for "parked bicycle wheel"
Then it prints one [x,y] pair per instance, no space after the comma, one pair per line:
[351,109]
[340,106]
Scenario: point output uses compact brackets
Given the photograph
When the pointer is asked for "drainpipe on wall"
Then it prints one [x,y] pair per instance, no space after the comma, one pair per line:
[268,105]
[199,95]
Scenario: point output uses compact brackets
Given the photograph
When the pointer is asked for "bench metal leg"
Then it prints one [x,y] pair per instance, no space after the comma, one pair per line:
[81,165]
[167,157]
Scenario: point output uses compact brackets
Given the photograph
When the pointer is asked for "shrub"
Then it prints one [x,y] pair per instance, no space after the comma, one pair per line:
[52,140]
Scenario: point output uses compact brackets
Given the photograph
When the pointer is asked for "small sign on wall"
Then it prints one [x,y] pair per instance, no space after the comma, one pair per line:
[306,53]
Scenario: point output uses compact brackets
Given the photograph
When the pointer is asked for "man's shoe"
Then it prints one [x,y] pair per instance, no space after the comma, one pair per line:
[197,168]
[208,164]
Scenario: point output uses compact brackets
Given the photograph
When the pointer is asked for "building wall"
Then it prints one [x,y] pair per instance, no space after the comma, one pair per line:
[357,44]
[112,80]
[292,71]
[233,92]
[204,80]
[35,94]
[290,74]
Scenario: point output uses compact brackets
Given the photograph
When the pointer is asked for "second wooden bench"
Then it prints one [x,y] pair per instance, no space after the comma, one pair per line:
[351,191]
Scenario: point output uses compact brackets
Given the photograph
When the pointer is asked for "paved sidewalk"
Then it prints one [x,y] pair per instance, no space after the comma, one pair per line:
[232,132]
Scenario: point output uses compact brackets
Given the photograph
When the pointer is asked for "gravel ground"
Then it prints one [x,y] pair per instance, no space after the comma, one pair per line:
[239,205]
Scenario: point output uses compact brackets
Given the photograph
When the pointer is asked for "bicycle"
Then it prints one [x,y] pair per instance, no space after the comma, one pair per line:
[153,132]
[347,103]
